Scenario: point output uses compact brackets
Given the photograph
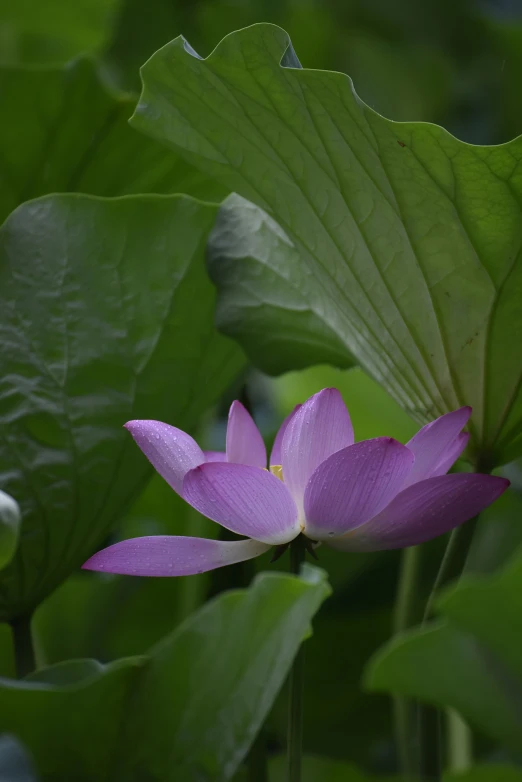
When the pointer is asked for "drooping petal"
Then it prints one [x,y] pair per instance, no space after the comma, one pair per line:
[425,510]
[353,485]
[275,456]
[244,499]
[170,451]
[455,450]
[215,456]
[432,444]
[167,555]
[318,429]
[244,442]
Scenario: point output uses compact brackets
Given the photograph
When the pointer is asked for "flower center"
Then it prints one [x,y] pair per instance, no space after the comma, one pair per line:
[277,470]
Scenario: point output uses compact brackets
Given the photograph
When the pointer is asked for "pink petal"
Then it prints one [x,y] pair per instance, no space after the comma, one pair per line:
[353,485]
[318,429]
[244,442]
[432,444]
[425,510]
[455,450]
[244,499]
[166,555]
[215,456]
[170,451]
[275,456]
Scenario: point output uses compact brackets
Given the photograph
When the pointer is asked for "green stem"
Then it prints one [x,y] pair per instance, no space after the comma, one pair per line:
[23,646]
[405,614]
[453,561]
[460,743]
[405,617]
[451,567]
[295,711]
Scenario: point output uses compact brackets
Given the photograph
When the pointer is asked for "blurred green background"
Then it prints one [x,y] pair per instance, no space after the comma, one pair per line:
[453,62]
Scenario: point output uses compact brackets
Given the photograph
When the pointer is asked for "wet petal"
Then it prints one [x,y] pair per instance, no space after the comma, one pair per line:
[432,444]
[353,485]
[170,451]
[244,499]
[215,456]
[275,456]
[318,429]
[425,510]
[455,450]
[244,442]
[167,555]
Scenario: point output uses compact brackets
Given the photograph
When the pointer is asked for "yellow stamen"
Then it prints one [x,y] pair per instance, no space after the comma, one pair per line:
[277,470]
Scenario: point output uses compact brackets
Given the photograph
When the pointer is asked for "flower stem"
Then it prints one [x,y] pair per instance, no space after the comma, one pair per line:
[453,561]
[460,743]
[295,710]
[451,567]
[405,617]
[23,646]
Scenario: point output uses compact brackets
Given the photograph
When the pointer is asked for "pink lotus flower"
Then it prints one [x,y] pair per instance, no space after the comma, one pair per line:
[371,495]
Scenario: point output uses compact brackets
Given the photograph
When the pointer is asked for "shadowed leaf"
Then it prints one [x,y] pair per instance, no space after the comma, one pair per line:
[107,316]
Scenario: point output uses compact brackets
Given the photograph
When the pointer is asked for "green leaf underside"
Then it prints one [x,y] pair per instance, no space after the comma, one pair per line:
[108,316]
[402,241]
[188,710]
[480,636]
[68,132]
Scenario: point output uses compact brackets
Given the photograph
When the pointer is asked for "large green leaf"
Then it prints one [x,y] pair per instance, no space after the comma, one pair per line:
[317,769]
[116,616]
[471,661]
[492,772]
[9,527]
[70,716]
[394,243]
[107,315]
[68,132]
[189,710]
